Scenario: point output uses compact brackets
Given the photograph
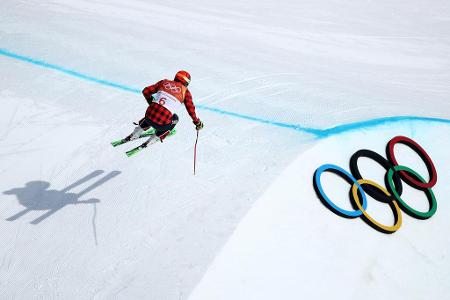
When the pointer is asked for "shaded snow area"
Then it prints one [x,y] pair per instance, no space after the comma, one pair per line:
[282,87]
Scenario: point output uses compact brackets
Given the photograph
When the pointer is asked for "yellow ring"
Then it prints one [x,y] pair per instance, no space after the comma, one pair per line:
[397,211]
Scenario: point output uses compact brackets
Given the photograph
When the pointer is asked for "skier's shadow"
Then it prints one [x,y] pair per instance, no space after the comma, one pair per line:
[36,196]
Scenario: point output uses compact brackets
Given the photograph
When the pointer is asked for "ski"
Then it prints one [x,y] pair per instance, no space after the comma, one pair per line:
[146,144]
[147,133]
[134,150]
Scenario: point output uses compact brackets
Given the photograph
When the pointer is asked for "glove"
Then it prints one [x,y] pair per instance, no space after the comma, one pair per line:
[198,125]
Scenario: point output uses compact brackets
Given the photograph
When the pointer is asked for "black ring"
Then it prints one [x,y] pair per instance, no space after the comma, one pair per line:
[372,191]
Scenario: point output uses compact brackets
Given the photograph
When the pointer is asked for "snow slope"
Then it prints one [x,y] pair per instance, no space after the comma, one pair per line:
[79,220]
[290,246]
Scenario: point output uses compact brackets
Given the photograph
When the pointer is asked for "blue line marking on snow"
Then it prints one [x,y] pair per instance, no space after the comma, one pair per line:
[377,122]
[320,133]
[73,73]
[261,120]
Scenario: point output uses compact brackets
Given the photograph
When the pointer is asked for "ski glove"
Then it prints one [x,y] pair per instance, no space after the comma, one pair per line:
[198,125]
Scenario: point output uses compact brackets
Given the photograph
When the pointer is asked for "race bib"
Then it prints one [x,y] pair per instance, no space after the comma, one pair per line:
[167,100]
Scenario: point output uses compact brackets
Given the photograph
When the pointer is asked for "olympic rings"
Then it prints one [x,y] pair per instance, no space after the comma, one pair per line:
[337,209]
[393,191]
[171,87]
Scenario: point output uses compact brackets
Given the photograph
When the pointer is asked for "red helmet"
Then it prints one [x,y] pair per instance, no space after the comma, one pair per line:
[183,77]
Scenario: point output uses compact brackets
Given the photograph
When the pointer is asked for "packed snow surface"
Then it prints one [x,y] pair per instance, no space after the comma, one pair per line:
[282,87]
[289,246]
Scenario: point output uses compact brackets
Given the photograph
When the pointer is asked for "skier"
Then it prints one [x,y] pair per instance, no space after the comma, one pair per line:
[164,98]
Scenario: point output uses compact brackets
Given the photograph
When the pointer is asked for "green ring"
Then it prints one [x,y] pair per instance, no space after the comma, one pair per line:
[408,209]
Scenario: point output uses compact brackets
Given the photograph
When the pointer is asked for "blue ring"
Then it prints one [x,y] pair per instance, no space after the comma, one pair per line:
[348,213]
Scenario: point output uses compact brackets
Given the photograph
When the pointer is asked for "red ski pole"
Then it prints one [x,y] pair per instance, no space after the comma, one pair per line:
[195,151]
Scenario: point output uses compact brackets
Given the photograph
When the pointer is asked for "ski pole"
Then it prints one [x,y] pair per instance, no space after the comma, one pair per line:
[195,151]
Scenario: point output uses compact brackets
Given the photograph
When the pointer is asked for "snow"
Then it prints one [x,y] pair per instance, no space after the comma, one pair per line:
[96,224]
[289,246]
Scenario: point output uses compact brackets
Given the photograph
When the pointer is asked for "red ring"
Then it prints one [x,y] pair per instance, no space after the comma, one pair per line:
[421,152]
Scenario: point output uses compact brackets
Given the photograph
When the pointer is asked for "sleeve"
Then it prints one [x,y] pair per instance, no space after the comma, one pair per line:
[150,90]
[190,107]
